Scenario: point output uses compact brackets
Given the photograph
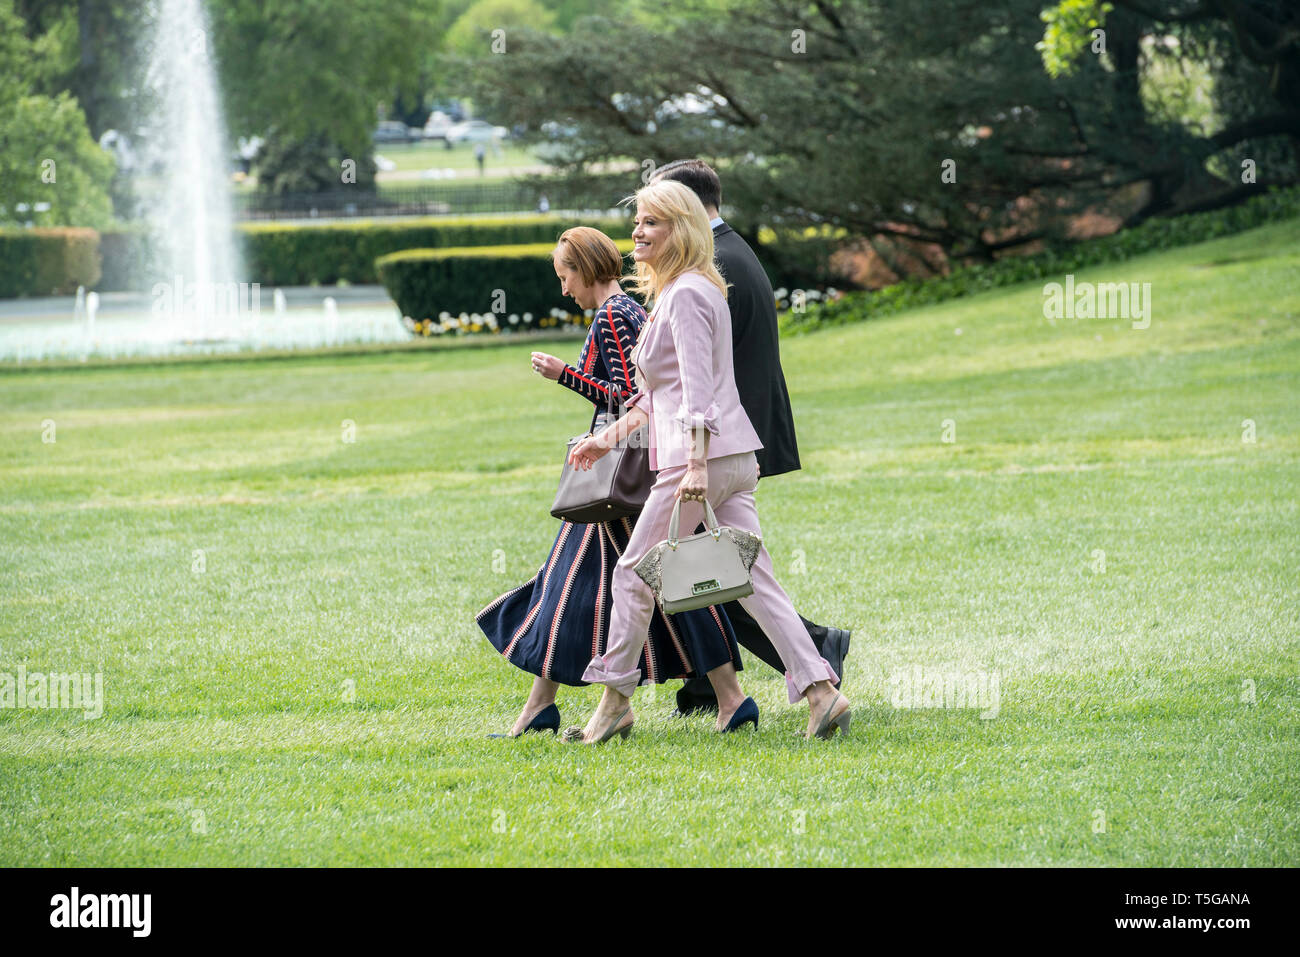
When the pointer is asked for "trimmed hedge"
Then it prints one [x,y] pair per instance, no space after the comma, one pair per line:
[286,255]
[36,262]
[277,254]
[1055,261]
[47,261]
[428,282]
[294,255]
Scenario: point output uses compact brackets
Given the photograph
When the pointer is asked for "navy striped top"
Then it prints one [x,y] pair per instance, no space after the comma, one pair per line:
[605,362]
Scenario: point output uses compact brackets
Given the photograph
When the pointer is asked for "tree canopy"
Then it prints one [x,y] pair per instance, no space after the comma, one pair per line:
[51,172]
[308,77]
[929,120]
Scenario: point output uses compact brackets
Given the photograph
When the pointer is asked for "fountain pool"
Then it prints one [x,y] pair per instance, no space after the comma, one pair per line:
[124,325]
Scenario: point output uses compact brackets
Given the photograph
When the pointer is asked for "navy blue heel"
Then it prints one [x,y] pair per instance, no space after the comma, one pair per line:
[747,712]
[548,719]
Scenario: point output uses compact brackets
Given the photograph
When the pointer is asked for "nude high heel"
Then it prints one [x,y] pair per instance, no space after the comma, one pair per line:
[833,719]
[574,735]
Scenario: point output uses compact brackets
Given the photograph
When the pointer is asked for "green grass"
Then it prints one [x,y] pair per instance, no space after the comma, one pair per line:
[498,167]
[329,562]
[434,155]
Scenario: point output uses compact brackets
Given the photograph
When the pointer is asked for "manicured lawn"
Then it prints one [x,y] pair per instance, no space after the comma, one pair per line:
[418,157]
[292,674]
[435,155]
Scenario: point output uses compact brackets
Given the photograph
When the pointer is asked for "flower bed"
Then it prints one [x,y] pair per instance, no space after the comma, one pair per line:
[474,323]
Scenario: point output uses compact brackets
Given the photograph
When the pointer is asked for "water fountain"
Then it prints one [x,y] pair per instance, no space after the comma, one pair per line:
[195,261]
[194,300]
[90,303]
[331,320]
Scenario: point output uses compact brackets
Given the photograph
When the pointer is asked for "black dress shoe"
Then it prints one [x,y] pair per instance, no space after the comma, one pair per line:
[688,703]
[548,719]
[835,649]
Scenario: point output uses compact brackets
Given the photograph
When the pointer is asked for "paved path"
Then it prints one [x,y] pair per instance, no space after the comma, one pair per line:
[61,308]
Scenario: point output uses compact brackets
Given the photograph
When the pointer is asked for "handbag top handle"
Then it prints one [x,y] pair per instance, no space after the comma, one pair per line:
[710,522]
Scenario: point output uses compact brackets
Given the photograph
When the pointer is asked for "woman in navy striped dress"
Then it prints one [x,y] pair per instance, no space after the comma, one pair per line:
[556,622]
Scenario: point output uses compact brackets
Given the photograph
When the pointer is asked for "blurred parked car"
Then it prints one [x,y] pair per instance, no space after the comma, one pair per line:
[452,108]
[557,143]
[437,125]
[475,131]
[393,131]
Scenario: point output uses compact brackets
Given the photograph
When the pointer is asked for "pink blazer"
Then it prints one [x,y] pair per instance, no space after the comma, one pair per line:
[684,374]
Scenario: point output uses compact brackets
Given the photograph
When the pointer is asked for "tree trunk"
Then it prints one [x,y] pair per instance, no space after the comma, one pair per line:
[87,76]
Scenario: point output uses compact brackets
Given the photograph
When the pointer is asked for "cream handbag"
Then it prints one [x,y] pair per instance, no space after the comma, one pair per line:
[710,568]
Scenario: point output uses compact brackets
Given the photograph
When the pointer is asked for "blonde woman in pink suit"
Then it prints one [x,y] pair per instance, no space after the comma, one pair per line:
[701,446]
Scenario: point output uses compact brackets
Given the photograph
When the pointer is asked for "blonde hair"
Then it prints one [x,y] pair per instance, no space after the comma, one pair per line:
[690,240]
[591,253]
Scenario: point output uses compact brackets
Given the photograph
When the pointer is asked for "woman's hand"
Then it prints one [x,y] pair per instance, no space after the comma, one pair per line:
[585,453]
[547,365]
[695,483]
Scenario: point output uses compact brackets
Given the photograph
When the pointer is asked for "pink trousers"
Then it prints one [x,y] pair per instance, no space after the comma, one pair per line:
[732,480]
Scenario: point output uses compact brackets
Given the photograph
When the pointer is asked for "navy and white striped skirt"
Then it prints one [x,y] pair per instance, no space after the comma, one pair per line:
[556,622]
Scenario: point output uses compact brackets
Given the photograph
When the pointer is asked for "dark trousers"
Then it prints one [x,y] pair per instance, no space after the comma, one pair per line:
[698,691]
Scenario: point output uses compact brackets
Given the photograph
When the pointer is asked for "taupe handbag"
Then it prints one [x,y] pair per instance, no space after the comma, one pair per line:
[710,568]
[616,486]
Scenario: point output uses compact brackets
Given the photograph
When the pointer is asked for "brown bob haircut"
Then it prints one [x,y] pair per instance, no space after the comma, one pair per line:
[591,253]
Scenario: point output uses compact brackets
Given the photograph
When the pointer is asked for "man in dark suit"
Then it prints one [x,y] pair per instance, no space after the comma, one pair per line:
[761,383]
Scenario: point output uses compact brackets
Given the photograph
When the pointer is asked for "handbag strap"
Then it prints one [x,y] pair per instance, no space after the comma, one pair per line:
[613,386]
[710,522]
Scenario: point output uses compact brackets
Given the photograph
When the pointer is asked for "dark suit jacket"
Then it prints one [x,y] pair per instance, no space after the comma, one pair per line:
[756,351]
